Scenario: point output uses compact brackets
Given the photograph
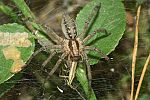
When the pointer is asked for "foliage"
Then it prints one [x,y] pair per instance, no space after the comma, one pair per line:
[110,17]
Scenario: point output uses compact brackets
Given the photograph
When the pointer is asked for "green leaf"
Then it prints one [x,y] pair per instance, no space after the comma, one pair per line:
[82,78]
[8,11]
[111,17]
[24,8]
[16,47]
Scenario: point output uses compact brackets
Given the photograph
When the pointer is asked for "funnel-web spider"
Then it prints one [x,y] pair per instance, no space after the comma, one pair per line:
[73,46]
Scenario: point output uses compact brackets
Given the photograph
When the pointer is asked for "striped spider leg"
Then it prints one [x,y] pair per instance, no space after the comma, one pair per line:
[72,47]
[76,46]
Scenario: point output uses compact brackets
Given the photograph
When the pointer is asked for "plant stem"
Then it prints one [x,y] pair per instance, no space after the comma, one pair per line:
[142,77]
[135,51]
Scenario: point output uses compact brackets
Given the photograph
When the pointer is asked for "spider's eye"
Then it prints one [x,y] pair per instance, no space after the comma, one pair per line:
[69,32]
[70,36]
[68,28]
[74,30]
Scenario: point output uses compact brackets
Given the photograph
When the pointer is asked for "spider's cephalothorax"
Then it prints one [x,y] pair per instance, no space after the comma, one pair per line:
[72,46]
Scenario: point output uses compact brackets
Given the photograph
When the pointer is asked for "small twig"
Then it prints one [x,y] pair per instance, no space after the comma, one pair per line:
[135,51]
[142,76]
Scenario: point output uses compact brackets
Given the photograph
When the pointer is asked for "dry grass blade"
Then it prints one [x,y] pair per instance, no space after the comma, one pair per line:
[135,51]
[142,77]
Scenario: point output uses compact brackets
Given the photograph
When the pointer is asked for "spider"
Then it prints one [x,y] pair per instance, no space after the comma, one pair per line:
[72,47]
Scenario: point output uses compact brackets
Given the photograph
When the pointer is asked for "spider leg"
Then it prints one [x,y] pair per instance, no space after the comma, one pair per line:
[49,58]
[97,50]
[52,35]
[96,31]
[35,53]
[48,31]
[91,17]
[85,58]
[54,49]
[57,63]
[29,24]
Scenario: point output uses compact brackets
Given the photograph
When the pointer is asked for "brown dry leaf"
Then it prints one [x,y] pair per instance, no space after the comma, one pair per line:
[11,52]
[17,66]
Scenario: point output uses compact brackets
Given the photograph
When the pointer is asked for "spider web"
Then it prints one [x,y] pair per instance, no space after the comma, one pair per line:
[111,80]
